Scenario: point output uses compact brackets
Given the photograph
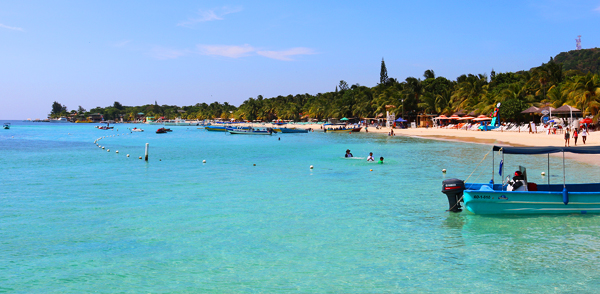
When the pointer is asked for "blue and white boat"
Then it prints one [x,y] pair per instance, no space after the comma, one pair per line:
[251,131]
[289,130]
[527,198]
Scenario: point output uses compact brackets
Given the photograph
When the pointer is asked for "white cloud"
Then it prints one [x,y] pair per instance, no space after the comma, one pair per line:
[210,15]
[11,28]
[286,54]
[167,53]
[226,50]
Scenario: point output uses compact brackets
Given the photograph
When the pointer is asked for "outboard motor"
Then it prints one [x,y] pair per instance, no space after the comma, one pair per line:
[453,188]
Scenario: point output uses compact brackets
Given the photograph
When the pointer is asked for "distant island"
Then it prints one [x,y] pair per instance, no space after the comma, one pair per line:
[568,78]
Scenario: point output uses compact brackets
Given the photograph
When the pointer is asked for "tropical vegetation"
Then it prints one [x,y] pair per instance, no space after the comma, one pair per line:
[549,84]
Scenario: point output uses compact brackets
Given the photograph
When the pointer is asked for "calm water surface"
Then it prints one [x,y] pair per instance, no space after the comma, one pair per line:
[75,218]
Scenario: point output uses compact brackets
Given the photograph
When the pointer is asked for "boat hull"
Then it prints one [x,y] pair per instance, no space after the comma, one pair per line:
[289,131]
[530,202]
[248,132]
[216,129]
[353,130]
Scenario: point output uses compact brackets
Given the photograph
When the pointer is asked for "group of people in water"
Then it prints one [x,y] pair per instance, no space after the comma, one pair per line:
[369,158]
[583,132]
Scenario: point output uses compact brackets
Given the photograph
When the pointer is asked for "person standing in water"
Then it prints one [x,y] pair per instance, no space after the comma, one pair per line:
[348,154]
[380,160]
[370,158]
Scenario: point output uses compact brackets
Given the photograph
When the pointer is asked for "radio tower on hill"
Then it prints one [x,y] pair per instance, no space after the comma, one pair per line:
[578,42]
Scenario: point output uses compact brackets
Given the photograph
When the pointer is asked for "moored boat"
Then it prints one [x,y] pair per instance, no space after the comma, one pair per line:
[6,126]
[518,196]
[251,131]
[342,130]
[289,130]
[163,130]
[216,128]
[137,130]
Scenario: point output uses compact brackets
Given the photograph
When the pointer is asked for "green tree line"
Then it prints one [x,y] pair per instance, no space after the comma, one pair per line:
[547,84]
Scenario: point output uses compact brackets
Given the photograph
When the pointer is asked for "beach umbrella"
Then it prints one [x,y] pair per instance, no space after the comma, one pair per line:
[441,117]
[454,116]
[531,109]
[344,118]
[567,109]
[586,120]
[466,118]
[482,118]
[400,120]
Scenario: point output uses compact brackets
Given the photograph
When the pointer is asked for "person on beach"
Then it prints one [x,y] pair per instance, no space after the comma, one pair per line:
[583,135]
[567,137]
[575,135]
[370,158]
[380,160]
[348,154]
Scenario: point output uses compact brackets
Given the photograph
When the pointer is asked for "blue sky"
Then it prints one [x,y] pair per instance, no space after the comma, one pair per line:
[92,53]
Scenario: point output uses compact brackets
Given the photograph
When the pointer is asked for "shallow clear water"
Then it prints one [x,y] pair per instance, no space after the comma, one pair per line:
[74,218]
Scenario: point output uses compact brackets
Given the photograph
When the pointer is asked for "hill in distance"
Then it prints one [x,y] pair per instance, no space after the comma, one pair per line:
[584,60]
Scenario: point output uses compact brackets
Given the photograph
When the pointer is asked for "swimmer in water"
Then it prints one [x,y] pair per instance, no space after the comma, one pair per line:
[370,158]
[380,160]
[348,154]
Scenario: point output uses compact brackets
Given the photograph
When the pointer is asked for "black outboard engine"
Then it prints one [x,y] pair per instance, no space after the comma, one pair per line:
[453,188]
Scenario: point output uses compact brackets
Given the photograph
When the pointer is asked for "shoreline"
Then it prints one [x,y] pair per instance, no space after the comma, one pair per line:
[487,138]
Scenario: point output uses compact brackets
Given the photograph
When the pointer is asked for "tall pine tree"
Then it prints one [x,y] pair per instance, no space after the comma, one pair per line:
[383,77]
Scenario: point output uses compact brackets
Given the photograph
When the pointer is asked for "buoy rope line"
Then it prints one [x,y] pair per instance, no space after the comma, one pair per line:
[461,197]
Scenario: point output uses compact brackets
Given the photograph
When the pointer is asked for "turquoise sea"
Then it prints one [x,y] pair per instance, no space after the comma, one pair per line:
[256,219]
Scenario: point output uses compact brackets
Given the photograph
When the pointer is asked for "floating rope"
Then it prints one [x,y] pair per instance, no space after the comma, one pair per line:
[461,197]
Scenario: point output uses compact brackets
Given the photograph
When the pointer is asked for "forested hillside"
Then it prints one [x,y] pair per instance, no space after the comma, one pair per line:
[585,60]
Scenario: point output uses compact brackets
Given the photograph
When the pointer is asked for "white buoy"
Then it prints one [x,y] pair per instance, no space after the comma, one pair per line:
[311,167]
[117,151]
[147,147]
[140,157]
[127,155]
[543,173]
[444,170]
[102,147]
[107,150]
[204,161]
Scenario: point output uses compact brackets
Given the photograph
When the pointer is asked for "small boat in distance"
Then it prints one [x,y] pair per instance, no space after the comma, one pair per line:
[216,128]
[518,196]
[59,120]
[137,130]
[6,126]
[251,131]
[342,130]
[163,130]
[289,130]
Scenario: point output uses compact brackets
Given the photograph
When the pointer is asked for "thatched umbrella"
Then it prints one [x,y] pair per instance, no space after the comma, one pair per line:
[567,109]
[531,109]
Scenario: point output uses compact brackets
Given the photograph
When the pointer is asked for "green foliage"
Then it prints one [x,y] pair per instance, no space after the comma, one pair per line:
[511,109]
[58,110]
[585,60]
[552,82]
[383,76]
